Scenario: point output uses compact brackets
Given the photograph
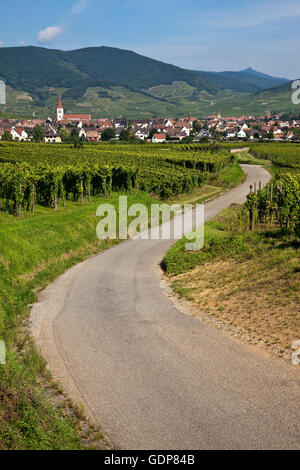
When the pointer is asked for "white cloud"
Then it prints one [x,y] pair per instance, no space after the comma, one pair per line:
[21,42]
[49,34]
[79,7]
[1,43]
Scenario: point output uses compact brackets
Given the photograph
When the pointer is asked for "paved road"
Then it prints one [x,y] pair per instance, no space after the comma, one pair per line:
[153,377]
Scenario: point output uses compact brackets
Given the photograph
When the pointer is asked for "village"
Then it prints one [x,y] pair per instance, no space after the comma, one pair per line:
[156,130]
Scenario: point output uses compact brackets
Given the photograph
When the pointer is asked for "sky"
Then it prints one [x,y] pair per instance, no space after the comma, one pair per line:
[211,35]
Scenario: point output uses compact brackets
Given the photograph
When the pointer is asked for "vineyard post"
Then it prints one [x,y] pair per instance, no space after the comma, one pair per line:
[271,206]
[19,205]
[81,190]
[259,185]
[287,222]
[255,188]
[279,189]
[251,212]
[33,198]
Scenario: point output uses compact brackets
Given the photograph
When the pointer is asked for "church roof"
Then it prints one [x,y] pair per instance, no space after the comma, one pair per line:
[60,105]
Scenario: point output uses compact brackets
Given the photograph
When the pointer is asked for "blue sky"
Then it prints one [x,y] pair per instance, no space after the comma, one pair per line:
[196,34]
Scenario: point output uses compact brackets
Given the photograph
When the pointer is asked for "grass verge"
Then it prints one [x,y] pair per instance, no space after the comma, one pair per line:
[225,180]
[245,283]
[34,250]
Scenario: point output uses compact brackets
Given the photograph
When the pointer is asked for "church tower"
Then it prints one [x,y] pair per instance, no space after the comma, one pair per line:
[60,110]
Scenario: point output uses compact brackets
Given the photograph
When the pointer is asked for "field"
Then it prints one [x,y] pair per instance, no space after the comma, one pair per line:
[246,282]
[176,99]
[45,231]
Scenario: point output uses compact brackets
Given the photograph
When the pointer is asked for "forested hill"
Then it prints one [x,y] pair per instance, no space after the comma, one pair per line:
[113,82]
[29,68]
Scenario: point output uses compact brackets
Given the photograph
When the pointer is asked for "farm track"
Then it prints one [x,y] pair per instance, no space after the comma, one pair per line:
[153,377]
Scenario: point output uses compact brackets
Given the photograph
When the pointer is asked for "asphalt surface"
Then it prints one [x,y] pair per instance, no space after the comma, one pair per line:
[153,377]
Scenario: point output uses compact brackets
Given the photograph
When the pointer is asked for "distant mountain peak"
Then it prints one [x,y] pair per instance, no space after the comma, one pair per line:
[252,71]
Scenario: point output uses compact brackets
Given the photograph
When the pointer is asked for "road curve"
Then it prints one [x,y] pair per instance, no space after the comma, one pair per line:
[153,377]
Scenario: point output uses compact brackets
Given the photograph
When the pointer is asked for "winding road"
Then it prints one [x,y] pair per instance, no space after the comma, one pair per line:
[153,377]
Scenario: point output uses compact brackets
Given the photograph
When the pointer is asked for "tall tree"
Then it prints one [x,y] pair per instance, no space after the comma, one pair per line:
[65,135]
[152,132]
[38,134]
[127,135]
[108,134]
[7,137]
[197,126]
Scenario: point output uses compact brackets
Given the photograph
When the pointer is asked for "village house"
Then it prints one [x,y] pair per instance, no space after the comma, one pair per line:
[231,134]
[255,134]
[52,138]
[18,134]
[141,134]
[159,138]
[242,134]
[92,135]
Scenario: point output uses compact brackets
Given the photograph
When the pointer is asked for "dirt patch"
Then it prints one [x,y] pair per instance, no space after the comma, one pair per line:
[234,296]
[24,98]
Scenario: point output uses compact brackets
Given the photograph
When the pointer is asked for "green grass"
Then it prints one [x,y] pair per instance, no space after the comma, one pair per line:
[218,242]
[247,157]
[226,179]
[34,250]
[242,279]
[232,176]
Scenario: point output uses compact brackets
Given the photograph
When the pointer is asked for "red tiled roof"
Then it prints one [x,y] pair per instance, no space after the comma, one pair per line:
[159,136]
[60,105]
[80,117]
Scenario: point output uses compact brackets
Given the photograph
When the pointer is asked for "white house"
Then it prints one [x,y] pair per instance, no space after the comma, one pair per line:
[52,138]
[159,138]
[242,134]
[231,134]
[82,132]
[278,132]
[142,135]
[18,134]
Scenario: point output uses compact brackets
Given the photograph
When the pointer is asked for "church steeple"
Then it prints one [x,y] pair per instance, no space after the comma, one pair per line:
[60,110]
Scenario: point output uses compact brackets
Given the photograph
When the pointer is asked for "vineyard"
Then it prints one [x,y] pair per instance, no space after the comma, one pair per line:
[283,156]
[278,203]
[36,173]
